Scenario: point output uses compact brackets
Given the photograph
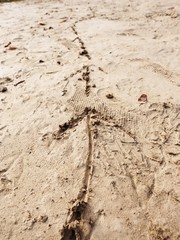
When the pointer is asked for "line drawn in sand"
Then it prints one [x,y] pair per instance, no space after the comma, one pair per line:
[132,163]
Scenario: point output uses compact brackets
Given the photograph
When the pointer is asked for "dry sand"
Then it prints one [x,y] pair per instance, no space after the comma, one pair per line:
[82,154]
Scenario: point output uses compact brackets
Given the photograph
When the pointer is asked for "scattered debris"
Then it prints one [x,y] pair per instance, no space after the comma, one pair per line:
[64,19]
[64,127]
[143,98]
[7,45]
[12,48]
[64,92]
[5,80]
[100,69]
[16,84]
[166,105]
[42,24]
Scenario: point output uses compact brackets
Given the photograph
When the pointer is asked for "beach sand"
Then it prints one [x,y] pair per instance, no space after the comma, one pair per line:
[90,120]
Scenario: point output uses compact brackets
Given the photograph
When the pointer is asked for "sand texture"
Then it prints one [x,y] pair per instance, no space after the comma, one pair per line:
[90,120]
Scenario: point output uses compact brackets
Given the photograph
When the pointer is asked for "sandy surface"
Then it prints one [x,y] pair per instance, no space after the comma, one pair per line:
[83,155]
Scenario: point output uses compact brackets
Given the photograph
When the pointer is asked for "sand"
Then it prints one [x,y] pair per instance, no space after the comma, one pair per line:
[90,120]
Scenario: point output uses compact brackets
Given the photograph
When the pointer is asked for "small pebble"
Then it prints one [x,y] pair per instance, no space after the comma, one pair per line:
[3,89]
[44,218]
[110,96]
[143,98]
